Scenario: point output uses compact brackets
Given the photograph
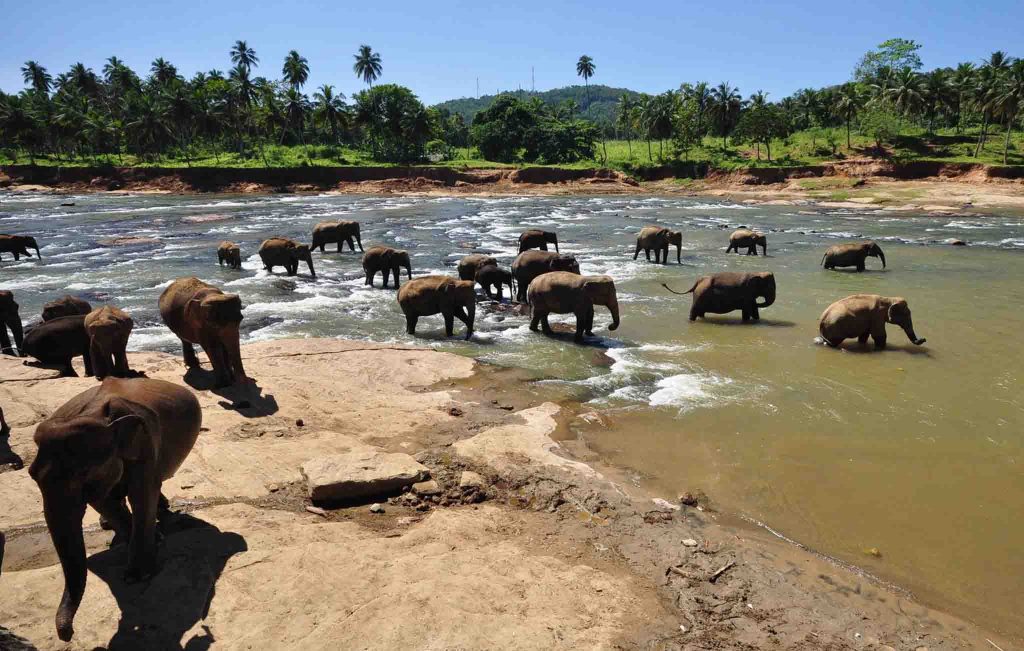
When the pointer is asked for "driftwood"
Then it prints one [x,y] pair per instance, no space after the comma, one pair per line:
[720,571]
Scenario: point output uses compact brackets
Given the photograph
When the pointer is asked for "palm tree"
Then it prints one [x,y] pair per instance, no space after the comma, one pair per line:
[725,106]
[296,106]
[962,83]
[1010,99]
[163,72]
[36,75]
[624,119]
[906,92]
[585,68]
[848,102]
[367,64]
[244,56]
[330,108]
[984,93]
[701,96]
[937,94]
[295,70]
[84,79]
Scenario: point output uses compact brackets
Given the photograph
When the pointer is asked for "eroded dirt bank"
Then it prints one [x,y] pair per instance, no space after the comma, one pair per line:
[540,551]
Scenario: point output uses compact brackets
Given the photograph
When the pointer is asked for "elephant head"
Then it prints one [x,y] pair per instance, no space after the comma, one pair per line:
[763,285]
[760,239]
[303,252]
[462,294]
[898,313]
[564,263]
[676,238]
[601,290]
[219,315]
[11,318]
[400,259]
[551,238]
[66,306]
[28,242]
[79,461]
[875,251]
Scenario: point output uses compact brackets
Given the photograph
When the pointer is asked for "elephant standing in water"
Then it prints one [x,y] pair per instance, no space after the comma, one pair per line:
[537,239]
[387,261]
[746,238]
[115,442]
[58,341]
[339,232]
[67,305]
[443,295]
[530,264]
[230,253]
[863,316]
[202,314]
[10,319]
[851,255]
[469,265]
[108,329]
[724,292]
[283,252]
[18,245]
[563,292]
[494,276]
[658,239]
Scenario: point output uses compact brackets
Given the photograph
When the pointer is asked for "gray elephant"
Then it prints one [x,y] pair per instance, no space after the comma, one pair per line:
[494,276]
[387,261]
[287,253]
[230,253]
[658,239]
[443,295]
[10,319]
[530,264]
[469,265]
[535,238]
[851,255]
[748,239]
[863,316]
[340,231]
[67,305]
[18,245]
[108,329]
[58,341]
[563,292]
[727,291]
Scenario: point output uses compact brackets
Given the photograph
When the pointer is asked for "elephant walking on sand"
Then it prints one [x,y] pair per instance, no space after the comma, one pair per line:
[387,261]
[202,314]
[230,253]
[108,329]
[110,447]
[18,245]
[469,265]
[287,253]
[748,239]
[851,255]
[340,232]
[658,239]
[863,316]
[530,264]
[10,319]
[535,238]
[727,291]
[563,292]
[67,305]
[442,295]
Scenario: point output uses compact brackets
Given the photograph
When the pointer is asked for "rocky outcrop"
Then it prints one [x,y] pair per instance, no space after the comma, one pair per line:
[360,475]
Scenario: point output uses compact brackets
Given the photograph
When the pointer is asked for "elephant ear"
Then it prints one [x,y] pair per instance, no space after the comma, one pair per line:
[129,434]
[898,311]
[192,308]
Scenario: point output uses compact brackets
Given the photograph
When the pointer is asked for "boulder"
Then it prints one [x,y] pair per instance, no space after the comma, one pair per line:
[470,479]
[426,488]
[360,475]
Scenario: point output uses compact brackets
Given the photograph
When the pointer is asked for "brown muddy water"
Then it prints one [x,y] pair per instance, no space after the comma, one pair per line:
[916,452]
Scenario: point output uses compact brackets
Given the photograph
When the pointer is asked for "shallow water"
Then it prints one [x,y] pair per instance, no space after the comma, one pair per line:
[914,451]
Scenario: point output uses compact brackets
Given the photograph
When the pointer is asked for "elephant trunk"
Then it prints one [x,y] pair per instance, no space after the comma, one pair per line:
[14,324]
[359,240]
[408,271]
[234,355]
[881,257]
[309,262]
[38,254]
[554,240]
[65,524]
[908,328]
[613,307]
[679,254]
[764,248]
[769,297]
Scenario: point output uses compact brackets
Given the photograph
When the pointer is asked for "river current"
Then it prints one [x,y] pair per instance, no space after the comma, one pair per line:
[914,454]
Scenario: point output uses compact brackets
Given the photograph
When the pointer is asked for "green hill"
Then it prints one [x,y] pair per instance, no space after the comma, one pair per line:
[598,104]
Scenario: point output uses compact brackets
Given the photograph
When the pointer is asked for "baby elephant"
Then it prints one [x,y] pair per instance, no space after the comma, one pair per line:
[658,239]
[10,319]
[851,255]
[470,264]
[387,261]
[724,292]
[283,252]
[749,239]
[863,316]
[67,305]
[108,329]
[340,232]
[537,239]
[230,253]
[564,292]
[58,341]
[428,295]
[493,276]
[18,245]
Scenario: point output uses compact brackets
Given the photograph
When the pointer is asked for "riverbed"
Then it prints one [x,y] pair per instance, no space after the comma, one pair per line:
[905,462]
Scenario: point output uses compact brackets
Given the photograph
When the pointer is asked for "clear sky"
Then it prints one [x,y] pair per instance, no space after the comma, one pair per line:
[439,49]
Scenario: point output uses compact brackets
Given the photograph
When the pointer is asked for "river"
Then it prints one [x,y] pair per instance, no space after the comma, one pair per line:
[916,453]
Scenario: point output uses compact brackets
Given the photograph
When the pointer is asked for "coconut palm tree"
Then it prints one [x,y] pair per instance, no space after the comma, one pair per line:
[849,100]
[700,93]
[906,92]
[84,79]
[937,94]
[962,83]
[585,68]
[244,56]
[36,75]
[624,119]
[295,70]
[983,96]
[163,71]
[330,109]
[725,107]
[367,64]
[1009,99]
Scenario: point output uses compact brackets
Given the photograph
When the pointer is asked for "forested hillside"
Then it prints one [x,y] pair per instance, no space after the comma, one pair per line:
[596,103]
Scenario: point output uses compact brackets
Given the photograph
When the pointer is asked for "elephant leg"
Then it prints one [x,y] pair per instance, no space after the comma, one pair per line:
[5,341]
[543,246]
[647,254]
[68,370]
[410,323]
[752,250]
[860,266]
[144,498]
[581,325]
[121,368]
[754,313]
[588,329]
[729,250]
[449,323]
[879,336]
[636,253]
[694,313]
[340,243]
[87,362]
[114,516]
[100,362]
[746,314]
[863,339]
[189,353]
[369,278]
[221,365]
[535,319]
[657,256]
[834,342]
[544,325]
[384,274]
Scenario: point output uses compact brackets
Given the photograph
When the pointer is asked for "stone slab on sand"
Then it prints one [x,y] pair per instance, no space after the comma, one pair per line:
[359,475]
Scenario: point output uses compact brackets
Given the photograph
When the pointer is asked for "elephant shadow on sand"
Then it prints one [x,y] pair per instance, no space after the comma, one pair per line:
[246,398]
[157,613]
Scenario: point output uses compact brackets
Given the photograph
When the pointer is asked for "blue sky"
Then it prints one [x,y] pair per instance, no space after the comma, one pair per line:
[439,49]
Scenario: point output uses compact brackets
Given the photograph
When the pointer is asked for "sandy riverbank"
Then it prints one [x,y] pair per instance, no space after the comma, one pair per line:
[548,550]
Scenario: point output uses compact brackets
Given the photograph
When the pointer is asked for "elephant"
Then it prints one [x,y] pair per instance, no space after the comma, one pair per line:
[851,255]
[108,329]
[726,291]
[658,239]
[339,231]
[863,316]
[493,276]
[537,239]
[66,306]
[8,457]
[744,237]
[429,295]
[230,253]
[469,265]
[19,246]
[387,261]
[10,319]
[530,264]
[563,292]
[117,441]
[200,313]
[58,341]
[283,252]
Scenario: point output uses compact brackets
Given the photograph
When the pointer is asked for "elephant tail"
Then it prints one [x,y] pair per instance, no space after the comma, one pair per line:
[689,291]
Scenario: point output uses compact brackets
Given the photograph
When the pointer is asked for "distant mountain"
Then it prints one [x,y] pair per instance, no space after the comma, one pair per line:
[598,104]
